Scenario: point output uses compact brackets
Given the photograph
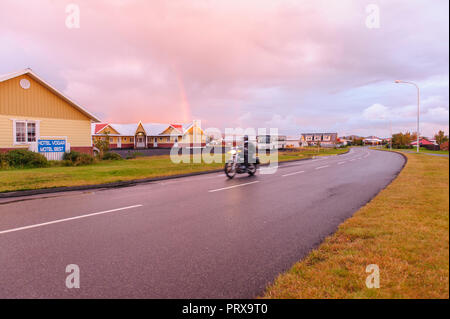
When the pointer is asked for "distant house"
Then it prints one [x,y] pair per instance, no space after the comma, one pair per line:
[36,116]
[324,139]
[149,135]
[422,142]
[372,140]
[292,141]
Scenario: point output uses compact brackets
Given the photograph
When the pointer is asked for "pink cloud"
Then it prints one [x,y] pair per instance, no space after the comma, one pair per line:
[217,60]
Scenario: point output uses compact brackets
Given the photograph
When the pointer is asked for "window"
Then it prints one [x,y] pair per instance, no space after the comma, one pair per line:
[21,132]
[31,132]
[131,139]
[111,140]
[25,132]
[124,139]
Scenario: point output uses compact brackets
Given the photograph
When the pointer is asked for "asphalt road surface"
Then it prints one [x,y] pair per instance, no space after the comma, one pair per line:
[195,237]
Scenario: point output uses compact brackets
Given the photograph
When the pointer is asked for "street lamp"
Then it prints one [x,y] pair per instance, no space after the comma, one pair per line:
[418,108]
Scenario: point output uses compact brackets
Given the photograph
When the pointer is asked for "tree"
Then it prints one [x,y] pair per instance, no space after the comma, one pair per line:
[102,144]
[358,142]
[441,137]
[402,140]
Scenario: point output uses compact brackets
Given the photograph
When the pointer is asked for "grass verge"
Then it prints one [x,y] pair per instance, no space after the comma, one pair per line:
[123,170]
[404,230]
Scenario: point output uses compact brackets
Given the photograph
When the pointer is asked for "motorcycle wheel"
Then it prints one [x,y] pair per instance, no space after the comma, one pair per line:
[229,170]
[251,169]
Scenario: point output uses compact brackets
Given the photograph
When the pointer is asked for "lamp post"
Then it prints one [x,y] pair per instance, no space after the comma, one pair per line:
[418,108]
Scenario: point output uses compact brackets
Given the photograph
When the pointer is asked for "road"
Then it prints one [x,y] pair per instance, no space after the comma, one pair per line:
[194,237]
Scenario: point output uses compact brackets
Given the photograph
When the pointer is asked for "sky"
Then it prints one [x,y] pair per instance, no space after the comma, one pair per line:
[299,66]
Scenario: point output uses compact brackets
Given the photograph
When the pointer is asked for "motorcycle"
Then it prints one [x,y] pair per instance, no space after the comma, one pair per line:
[233,166]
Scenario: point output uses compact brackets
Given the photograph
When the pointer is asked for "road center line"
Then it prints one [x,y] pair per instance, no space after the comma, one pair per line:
[320,167]
[299,172]
[66,219]
[229,187]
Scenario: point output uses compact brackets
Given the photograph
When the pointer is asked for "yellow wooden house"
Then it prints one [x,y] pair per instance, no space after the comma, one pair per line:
[33,111]
[149,135]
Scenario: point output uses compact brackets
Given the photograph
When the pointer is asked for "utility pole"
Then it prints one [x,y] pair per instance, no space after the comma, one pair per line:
[418,109]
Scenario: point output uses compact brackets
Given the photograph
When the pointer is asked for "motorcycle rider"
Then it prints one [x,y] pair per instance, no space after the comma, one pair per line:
[249,150]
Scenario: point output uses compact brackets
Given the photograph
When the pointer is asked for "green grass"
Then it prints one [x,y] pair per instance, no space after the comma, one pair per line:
[424,150]
[404,230]
[115,171]
[421,150]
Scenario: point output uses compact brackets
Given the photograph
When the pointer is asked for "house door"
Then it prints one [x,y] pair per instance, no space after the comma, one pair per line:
[119,142]
[155,142]
[140,141]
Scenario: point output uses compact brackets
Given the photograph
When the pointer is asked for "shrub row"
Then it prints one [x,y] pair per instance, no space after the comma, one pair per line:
[111,156]
[74,158]
[21,158]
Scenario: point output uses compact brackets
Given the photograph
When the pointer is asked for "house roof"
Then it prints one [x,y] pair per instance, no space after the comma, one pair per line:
[155,128]
[178,127]
[126,129]
[98,127]
[423,142]
[319,133]
[29,72]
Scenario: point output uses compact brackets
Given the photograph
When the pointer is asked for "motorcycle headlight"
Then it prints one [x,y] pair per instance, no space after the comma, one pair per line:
[232,152]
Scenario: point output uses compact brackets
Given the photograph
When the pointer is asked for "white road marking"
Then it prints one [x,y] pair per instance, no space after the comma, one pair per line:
[292,173]
[67,219]
[340,163]
[230,187]
[353,159]
[320,167]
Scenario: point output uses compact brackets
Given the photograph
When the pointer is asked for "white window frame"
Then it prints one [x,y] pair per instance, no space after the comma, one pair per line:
[36,122]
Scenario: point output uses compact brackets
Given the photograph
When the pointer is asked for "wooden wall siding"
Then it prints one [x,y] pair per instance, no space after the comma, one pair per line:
[77,132]
[37,101]
[108,130]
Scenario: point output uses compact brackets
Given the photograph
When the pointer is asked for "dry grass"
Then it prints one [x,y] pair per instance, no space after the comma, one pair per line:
[404,230]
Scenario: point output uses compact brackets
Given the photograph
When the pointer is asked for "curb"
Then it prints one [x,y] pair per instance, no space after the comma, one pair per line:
[133,182]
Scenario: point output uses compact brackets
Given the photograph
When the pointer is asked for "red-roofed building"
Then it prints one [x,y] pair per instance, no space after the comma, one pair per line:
[99,127]
[179,127]
[149,135]
[422,142]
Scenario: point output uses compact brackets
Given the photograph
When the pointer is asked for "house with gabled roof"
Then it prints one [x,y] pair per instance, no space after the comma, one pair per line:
[32,111]
[149,135]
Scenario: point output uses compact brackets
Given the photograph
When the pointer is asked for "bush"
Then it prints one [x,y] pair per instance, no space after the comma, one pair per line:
[444,146]
[131,155]
[3,162]
[111,156]
[22,158]
[74,158]
[102,145]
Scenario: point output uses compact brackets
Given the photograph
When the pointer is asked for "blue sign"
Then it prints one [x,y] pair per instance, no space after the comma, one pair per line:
[51,146]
